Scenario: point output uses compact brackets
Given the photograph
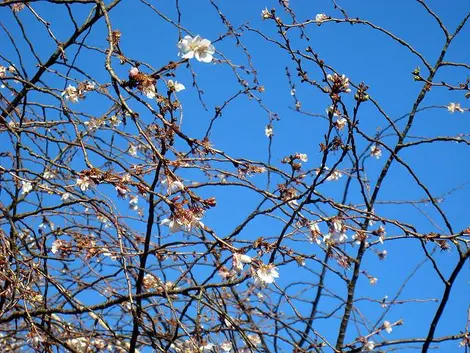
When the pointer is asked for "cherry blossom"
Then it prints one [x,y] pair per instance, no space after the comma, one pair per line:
[197,47]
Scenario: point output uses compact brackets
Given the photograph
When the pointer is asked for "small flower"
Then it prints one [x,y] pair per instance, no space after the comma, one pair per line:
[254,339]
[266,274]
[84,183]
[375,151]
[26,187]
[48,174]
[238,260]
[340,123]
[133,150]
[387,326]
[149,91]
[3,71]
[133,72]
[133,200]
[268,131]
[302,156]
[173,186]
[65,196]
[226,346]
[172,224]
[334,176]
[71,94]
[266,14]
[373,280]
[452,107]
[197,47]
[319,18]
[382,255]
[339,83]
[369,346]
[175,86]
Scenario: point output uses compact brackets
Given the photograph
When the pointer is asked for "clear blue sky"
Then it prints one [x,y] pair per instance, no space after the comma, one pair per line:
[363,55]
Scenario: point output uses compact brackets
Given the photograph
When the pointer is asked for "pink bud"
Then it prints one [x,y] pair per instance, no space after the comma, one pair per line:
[133,72]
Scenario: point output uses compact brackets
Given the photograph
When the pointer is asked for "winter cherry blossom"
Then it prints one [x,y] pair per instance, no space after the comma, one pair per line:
[302,156]
[26,187]
[149,91]
[197,47]
[266,14]
[369,346]
[71,93]
[373,281]
[334,176]
[173,186]
[452,107]
[226,346]
[375,151]
[340,83]
[340,123]
[319,18]
[387,326]
[133,149]
[238,260]
[254,339]
[133,72]
[268,131]
[133,201]
[175,86]
[84,183]
[266,274]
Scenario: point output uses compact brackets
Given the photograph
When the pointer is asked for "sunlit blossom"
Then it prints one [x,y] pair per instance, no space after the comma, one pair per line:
[26,187]
[453,107]
[71,93]
[375,151]
[175,86]
[387,326]
[84,183]
[266,274]
[197,47]
[319,18]
[268,131]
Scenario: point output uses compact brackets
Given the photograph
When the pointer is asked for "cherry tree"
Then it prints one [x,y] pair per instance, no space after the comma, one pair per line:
[214,176]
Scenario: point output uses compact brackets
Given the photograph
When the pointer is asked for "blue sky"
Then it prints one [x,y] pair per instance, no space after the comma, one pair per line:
[360,53]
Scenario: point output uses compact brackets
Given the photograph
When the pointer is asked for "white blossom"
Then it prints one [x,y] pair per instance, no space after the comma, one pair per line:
[254,339]
[149,91]
[26,187]
[319,18]
[375,151]
[452,107]
[226,346]
[303,157]
[172,224]
[133,150]
[133,200]
[71,93]
[175,86]
[65,196]
[265,14]
[268,131]
[334,176]
[369,346]
[373,280]
[197,47]
[387,326]
[266,274]
[340,123]
[84,183]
